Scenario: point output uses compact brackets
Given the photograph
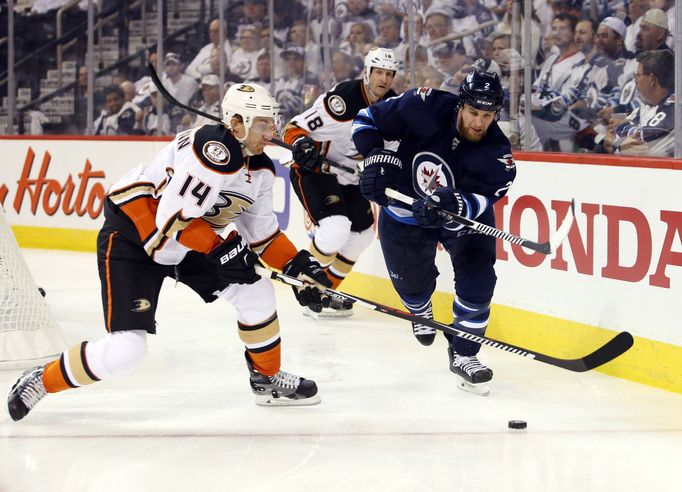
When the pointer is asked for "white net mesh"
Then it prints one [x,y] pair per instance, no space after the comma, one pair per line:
[27,331]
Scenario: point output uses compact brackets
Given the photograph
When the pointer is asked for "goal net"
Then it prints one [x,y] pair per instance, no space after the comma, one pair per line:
[27,331]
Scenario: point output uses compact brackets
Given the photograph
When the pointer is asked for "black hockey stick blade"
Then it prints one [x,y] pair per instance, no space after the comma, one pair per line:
[615,347]
[172,100]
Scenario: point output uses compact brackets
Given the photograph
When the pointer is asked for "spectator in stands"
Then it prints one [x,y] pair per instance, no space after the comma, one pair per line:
[129,91]
[389,37]
[419,33]
[214,63]
[636,9]
[360,11]
[146,119]
[653,31]
[201,64]
[450,57]
[649,129]
[290,88]
[611,44]
[255,14]
[359,40]
[182,87]
[505,27]
[298,35]
[334,26]
[262,70]
[551,89]
[210,94]
[119,116]
[244,58]
[437,24]
[343,67]
[470,14]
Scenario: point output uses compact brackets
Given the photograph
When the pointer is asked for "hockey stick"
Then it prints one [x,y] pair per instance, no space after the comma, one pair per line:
[546,248]
[172,100]
[615,347]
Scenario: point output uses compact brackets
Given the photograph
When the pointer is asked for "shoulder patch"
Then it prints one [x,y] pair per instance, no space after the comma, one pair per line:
[216,152]
[217,149]
[337,105]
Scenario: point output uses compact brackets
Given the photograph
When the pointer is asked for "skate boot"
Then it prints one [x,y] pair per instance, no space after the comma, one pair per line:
[474,376]
[337,308]
[424,333]
[26,393]
[282,389]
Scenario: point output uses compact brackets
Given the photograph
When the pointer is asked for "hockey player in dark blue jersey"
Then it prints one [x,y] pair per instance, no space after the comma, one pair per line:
[452,156]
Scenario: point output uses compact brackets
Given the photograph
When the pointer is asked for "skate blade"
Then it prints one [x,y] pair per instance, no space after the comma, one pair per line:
[335,313]
[481,389]
[310,313]
[270,401]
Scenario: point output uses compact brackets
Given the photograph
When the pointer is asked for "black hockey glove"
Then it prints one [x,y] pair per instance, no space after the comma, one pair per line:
[426,210]
[306,154]
[235,261]
[382,169]
[305,267]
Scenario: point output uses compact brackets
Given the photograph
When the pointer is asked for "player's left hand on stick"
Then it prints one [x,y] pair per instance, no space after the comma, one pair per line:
[235,261]
[306,154]
[426,210]
[305,267]
[382,169]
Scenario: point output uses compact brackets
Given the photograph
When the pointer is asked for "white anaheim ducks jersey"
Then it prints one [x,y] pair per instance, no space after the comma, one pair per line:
[329,121]
[196,186]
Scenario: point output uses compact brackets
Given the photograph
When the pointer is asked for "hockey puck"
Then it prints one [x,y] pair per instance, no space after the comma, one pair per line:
[42,291]
[517,424]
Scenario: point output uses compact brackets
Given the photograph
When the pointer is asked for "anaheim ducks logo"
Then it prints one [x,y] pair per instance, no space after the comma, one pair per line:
[141,305]
[228,207]
[244,87]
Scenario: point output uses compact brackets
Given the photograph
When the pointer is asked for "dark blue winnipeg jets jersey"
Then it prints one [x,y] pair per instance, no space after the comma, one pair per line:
[433,153]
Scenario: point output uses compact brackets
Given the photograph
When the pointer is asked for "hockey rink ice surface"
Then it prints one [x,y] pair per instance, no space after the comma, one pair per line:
[391,418]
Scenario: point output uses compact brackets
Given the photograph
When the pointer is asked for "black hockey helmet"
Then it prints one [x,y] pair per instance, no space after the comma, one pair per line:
[481,90]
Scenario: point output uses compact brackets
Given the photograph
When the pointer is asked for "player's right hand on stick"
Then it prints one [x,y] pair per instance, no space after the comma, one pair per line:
[234,260]
[426,210]
[306,154]
[382,169]
[305,267]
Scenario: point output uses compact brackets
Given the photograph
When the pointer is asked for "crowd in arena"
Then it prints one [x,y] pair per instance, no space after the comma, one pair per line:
[603,84]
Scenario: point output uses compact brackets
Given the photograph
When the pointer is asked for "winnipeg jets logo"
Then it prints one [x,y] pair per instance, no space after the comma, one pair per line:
[423,92]
[508,161]
[430,172]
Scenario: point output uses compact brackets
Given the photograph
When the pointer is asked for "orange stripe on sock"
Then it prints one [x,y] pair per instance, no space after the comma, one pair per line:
[267,362]
[53,379]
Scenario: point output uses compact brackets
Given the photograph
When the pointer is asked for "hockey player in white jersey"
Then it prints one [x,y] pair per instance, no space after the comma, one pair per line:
[331,197]
[164,219]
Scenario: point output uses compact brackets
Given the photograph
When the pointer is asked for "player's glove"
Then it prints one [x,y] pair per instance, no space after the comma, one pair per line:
[426,210]
[382,169]
[235,261]
[306,154]
[305,267]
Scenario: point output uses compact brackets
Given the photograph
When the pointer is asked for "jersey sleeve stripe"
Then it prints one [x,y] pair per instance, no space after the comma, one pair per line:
[363,121]
[199,236]
[278,251]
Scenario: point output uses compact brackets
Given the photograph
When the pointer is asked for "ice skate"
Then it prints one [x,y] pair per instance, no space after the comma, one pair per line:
[282,389]
[423,333]
[26,393]
[474,376]
[337,309]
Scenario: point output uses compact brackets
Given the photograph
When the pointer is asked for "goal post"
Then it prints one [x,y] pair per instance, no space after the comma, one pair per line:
[28,333]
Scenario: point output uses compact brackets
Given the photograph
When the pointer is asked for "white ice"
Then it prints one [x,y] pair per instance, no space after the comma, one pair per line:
[391,418]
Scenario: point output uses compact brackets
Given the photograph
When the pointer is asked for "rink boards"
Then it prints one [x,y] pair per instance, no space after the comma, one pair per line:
[620,269]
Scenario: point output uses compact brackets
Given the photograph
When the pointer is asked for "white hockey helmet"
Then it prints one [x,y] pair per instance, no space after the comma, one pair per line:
[249,101]
[379,58]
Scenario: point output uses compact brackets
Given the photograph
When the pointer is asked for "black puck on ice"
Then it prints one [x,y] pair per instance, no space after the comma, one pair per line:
[42,291]
[517,424]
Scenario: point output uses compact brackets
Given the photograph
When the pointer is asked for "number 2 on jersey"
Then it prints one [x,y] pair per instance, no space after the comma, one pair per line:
[200,191]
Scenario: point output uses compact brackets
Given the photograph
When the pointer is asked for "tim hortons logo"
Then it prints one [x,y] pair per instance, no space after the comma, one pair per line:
[80,195]
[652,258]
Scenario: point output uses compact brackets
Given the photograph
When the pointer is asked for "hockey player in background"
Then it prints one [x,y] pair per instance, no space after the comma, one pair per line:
[163,220]
[331,197]
[452,156]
